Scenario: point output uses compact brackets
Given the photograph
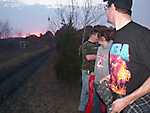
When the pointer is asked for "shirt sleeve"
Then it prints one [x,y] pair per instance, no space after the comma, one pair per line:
[89,49]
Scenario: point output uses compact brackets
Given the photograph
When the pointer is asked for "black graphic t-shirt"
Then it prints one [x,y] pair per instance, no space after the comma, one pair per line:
[130,58]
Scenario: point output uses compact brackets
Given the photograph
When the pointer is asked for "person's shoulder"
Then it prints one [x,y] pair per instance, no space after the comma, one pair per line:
[85,43]
[88,43]
[142,33]
[140,27]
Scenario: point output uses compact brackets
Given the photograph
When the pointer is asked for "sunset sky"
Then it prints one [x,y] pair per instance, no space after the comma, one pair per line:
[29,16]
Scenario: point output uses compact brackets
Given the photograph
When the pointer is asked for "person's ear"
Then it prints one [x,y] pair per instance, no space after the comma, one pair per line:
[113,7]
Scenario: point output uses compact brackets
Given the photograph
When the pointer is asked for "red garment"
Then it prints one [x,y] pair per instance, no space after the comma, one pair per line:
[91,97]
[102,107]
[91,94]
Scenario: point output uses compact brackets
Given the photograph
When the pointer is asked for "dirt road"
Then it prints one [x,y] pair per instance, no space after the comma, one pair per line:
[43,93]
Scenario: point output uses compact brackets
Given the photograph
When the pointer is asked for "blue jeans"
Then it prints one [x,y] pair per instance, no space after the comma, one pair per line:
[84,91]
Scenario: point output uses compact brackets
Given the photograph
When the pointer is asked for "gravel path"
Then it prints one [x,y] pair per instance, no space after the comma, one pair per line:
[43,93]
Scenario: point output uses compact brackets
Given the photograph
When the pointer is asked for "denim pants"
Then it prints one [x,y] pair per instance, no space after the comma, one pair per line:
[84,91]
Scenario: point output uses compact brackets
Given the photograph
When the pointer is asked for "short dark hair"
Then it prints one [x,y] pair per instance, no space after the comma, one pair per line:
[106,32]
[93,31]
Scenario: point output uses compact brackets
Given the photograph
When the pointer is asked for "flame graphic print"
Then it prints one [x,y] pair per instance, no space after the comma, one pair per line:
[120,75]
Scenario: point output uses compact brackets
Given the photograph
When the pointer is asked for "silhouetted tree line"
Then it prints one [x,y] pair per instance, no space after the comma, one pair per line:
[68,40]
[68,66]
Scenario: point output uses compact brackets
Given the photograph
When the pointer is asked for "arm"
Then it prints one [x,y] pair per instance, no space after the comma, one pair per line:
[144,89]
[90,57]
[119,104]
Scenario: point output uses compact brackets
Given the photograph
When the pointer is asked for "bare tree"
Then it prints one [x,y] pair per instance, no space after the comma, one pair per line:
[78,16]
[67,14]
[91,15]
[5,30]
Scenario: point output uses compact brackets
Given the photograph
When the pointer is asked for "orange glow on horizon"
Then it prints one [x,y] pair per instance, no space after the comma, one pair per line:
[21,34]
[38,34]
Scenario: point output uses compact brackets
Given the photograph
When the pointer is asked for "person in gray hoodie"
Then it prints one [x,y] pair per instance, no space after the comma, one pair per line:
[101,69]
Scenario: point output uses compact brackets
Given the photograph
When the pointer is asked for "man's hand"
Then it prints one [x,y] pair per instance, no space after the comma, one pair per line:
[119,104]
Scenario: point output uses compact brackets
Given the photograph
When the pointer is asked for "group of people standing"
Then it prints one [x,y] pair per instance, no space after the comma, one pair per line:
[116,65]
[95,52]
